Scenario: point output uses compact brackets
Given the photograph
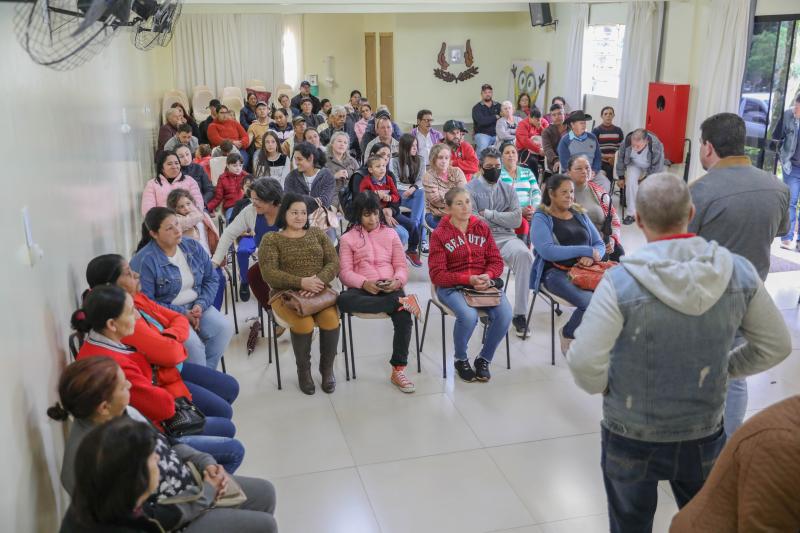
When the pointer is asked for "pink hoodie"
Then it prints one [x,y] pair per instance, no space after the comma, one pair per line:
[155,195]
[371,256]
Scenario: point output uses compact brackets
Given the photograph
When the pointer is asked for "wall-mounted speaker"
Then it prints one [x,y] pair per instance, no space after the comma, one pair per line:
[540,14]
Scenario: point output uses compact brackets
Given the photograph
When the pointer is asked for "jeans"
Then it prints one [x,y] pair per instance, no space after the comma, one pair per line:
[557,282]
[246,248]
[212,391]
[360,301]
[483,141]
[633,468]
[207,345]
[401,231]
[467,319]
[415,202]
[792,181]
[735,405]
[220,296]
[518,256]
[632,176]
[226,451]
[412,235]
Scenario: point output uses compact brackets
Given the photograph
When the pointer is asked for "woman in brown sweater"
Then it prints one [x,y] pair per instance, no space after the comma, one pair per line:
[303,259]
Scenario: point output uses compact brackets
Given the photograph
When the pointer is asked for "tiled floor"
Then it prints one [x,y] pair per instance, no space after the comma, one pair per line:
[517,455]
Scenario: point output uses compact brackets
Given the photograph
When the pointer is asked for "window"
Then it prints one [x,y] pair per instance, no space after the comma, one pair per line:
[602,60]
[290,74]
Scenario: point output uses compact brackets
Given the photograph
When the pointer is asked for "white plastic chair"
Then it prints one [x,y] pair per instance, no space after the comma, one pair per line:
[255,84]
[235,104]
[217,166]
[232,91]
[200,101]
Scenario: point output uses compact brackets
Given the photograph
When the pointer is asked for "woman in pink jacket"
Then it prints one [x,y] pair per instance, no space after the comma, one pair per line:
[169,178]
[372,264]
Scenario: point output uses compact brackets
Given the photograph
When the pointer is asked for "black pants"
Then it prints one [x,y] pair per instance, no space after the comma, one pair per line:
[618,252]
[360,301]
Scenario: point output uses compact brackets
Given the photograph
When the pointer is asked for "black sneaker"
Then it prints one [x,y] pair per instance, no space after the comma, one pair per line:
[520,325]
[628,220]
[464,371]
[244,292]
[484,320]
[482,369]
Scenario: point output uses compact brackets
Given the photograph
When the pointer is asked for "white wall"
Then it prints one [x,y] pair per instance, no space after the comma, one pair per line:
[67,160]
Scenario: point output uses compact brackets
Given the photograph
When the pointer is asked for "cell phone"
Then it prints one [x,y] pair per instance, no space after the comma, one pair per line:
[383,283]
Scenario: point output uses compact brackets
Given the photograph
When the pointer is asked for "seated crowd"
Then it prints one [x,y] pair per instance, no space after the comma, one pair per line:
[536,197]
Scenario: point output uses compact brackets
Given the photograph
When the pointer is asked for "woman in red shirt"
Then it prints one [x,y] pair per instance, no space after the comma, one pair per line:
[463,254]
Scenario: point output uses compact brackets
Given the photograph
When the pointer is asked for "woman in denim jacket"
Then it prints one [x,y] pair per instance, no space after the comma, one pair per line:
[562,237]
[178,274]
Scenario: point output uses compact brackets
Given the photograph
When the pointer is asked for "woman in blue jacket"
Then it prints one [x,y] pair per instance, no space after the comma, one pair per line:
[178,274]
[562,237]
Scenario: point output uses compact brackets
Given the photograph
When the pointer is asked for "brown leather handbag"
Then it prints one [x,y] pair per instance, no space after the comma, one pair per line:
[306,305]
[322,217]
[488,298]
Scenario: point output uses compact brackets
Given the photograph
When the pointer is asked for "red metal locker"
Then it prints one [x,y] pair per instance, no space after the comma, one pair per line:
[667,108]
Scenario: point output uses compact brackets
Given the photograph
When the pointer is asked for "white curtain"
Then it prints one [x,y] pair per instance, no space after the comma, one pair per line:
[639,56]
[722,67]
[573,92]
[293,49]
[223,50]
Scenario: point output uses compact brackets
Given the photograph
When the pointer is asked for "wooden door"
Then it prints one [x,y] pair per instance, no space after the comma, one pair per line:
[371,66]
[387,70]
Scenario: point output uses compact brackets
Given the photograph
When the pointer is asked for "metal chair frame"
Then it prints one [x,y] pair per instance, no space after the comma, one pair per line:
[347,323]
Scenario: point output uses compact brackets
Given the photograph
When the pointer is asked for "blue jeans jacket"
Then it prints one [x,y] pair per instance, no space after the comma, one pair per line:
[547,248]
[161,280]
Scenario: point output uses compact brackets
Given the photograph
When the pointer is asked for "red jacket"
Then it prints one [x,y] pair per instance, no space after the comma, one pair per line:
[525,132]
[228,129]
[464,158]
[455,256]
[368,185]
[228,191]
[154,402]
[164,349]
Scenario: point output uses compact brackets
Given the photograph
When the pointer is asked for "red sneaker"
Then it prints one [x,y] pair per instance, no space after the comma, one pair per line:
[400,379]
[413,258]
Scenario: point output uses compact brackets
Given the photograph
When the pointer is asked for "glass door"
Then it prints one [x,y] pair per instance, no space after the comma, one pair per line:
[771,81]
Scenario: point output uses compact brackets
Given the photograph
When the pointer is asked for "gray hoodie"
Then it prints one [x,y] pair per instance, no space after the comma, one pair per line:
[499,203]
[658,333]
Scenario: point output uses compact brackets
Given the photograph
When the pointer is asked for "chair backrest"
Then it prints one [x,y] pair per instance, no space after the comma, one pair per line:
[75,342]
[235,104]
[167,104]
[180,95]
[232,91]
[200,101]
[197,88]
[217,165]
[252,84]
[283,88]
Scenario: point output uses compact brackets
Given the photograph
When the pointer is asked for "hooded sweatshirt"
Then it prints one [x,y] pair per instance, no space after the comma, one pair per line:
[658,333]
[455,256]
[500,206]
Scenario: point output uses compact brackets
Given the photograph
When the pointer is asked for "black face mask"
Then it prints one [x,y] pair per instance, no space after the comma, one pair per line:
[491,174]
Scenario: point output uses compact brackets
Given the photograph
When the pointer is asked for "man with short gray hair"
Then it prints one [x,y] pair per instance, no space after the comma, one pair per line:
[656,342]
[337,121]
[640,155]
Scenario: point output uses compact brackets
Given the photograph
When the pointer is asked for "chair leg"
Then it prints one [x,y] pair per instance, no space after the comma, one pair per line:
[425,325]
[224,370]
[344,347]
[508,354]
[444,350]
[234,277]
[261,319]
[269,341]
[235,319]
[225,299]
[416,336]
[528,321]
[352,352]
[552,333]
[274,340]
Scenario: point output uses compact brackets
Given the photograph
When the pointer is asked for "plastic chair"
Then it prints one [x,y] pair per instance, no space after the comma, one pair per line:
[200,101]
[177,93]
[255,84]
[555,303]
[283,88]
[170,99]
[348,324]
[231,91]
[75,341]
[217,166]
[446,311]
[235,104]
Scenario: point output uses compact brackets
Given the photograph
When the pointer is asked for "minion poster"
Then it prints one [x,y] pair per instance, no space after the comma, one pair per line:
[529,77]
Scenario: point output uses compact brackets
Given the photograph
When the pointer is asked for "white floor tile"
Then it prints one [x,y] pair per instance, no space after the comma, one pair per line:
[460,492]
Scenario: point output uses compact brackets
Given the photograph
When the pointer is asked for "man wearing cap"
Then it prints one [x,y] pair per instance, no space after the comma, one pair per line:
[463,155]
[299,125]
[579,141]
[306,111]
[484,119]
[213,107]
[259,126]
[383,129]
[305,92]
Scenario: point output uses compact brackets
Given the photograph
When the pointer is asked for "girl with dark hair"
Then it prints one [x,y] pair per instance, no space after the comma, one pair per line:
[408,169]
[310,178]
[169,178]
[195,223]
[270,162]
[563,236]
[302,259]
[94,392]
[281,125]
[159,334]
[178,274]
[248,113]
[374,270]
[229,186]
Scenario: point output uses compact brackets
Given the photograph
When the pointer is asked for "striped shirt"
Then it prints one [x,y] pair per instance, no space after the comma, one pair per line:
[609,138]
[525,186]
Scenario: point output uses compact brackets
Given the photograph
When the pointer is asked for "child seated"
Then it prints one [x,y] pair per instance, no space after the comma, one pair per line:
[194,223]
[384,187]
[229,186]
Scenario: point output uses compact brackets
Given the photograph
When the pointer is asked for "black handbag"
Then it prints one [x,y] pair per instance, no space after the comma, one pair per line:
[188,419]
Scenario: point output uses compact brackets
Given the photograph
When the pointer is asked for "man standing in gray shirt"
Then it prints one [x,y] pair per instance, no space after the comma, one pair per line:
[741,207]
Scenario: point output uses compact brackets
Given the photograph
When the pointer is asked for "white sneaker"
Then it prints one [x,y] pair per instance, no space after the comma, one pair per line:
[565,342]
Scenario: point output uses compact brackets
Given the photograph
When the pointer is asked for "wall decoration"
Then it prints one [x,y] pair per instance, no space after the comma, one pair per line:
[455,54]
[529,77]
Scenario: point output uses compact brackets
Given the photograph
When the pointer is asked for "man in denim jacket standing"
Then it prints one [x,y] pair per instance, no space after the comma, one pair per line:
[656,341]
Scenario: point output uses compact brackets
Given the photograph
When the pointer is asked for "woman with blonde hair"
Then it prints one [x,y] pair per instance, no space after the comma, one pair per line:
[440,178]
